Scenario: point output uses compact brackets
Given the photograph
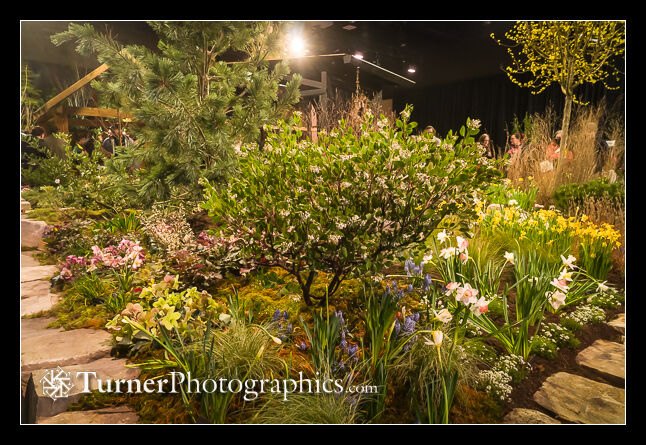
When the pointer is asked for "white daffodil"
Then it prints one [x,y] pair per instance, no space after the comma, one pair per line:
[601,287]
[448,252]
[436,341]
[466,294]
[565,275]
[560,284]
[513,202]
[442,236]
[509,256]
[480,306]
[428,257]
[569,261]
[444,315]
[556,299]
[450,287]
[462,243]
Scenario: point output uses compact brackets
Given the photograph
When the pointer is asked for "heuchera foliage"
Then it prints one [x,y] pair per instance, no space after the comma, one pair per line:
[348,201]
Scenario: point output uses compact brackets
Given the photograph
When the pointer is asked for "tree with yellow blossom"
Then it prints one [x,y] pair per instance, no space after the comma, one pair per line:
[571,53]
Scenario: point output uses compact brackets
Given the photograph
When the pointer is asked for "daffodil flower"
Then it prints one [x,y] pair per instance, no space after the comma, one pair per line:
[444,315]
[509,256]
[437,337]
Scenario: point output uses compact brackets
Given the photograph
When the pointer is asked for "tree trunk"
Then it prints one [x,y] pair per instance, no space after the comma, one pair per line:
[567,112]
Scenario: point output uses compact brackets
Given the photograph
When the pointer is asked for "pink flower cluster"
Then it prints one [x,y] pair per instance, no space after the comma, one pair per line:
[127,253]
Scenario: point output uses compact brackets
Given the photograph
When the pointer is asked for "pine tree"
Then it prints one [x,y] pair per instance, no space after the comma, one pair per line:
[208,88]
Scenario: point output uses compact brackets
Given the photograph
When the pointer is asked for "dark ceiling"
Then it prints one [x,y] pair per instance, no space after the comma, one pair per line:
[441,51]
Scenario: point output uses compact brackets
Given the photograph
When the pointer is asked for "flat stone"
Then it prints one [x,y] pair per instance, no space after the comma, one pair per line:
[34,288]
[580,400]
[605,357]
[37,327]
[37,273]
[528,416]
[112,415]
[62,348]
[28,260]
[619,323]
[25,205]
[105,368]
[38,303]
[31,232]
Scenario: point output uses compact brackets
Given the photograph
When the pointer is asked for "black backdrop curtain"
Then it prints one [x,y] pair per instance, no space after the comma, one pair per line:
[495,100]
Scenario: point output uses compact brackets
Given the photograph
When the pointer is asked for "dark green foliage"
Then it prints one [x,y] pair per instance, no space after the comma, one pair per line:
[569,195]
[195,104]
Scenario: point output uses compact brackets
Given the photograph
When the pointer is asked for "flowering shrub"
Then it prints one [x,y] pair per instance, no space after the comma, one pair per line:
[582,315]
[199,259]
[349,200]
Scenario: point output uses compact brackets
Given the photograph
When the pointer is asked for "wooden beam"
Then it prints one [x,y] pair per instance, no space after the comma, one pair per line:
[315,92]
[312,83]
[98,112]
[51,103]
[91,123]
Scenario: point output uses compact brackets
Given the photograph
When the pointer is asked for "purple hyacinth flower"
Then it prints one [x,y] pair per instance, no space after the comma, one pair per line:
[276,316]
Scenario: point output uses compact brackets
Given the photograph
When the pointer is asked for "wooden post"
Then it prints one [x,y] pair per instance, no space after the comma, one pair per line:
[313,123]
[324,83]
[119,121]
[60,119]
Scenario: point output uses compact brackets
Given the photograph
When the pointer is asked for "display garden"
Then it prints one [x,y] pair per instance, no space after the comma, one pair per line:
[377,274]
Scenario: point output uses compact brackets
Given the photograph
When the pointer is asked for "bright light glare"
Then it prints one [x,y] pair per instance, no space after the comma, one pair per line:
[411,70]
[358,56]
[297,46]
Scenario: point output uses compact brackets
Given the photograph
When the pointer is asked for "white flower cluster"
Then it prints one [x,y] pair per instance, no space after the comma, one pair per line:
[495,383]
[514,365]
[557,333]
[586,315]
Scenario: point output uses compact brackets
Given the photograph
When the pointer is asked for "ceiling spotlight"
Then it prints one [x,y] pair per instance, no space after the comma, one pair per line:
[358,56]
[349,27]
[411,69]
[297,46]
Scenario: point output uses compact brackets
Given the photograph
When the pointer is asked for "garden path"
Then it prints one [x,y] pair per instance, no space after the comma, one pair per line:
[43,349]
[575,399]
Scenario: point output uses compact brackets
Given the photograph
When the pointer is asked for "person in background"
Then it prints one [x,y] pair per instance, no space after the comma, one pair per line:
[485,141]
[431,130]
[554,148]
[515,144]
[115,139]
[84,143]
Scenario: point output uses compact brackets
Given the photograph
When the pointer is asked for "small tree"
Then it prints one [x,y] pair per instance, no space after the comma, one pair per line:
[351,201]
[568,53]
[208,88]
